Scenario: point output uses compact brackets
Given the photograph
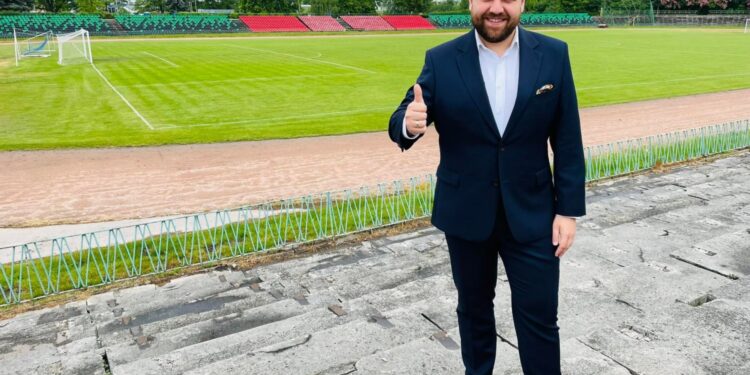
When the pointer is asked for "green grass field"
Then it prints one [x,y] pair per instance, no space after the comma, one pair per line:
[214,90]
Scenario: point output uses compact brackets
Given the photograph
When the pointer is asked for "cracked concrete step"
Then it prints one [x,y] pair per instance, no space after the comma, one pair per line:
[651,285]
[345,267]
[659,235]
[725,255]
[160,333]
[166,318]
[47,359]
[331,262]
[111,305]
[47,323]
[160,340]
[680,339]
[437,354]
[56,338]
[336,348]
[397,271]
[188,357]
[293,268]
[618,210]
[577,358]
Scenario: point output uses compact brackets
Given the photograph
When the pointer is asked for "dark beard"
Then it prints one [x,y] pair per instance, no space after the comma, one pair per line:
[504,33]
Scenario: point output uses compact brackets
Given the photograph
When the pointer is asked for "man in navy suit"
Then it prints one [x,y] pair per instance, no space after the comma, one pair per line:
[496,96]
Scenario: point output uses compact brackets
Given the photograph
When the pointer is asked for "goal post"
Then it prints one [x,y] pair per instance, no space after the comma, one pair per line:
[74,47]
[747,26]
[32,45]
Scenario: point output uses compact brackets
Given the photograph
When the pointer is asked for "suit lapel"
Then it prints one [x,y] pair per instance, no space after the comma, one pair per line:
[529,65]
[471,74]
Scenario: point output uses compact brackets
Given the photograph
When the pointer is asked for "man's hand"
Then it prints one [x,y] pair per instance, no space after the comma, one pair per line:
[416,113]
[563,233]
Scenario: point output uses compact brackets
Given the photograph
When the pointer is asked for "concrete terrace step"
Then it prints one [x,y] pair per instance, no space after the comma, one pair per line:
[132,301]
[338,347]
[709,339]
[160,340]
[190,356]
[725,255]
[62,340]
[172,317]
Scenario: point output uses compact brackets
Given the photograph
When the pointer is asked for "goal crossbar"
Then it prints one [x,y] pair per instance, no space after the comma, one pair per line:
[74,43]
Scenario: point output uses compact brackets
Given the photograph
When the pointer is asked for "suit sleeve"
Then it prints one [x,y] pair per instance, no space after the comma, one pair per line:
[567,146]
[426,80]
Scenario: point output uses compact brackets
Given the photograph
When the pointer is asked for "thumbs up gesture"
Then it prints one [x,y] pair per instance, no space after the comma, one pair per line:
[416,113]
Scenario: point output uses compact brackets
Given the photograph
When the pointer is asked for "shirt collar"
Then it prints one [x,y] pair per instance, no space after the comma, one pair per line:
[481,45]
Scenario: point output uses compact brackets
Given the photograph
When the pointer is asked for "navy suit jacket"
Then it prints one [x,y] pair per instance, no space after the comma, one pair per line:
[477,164]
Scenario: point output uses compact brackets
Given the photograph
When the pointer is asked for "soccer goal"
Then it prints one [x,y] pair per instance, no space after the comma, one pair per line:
[74,47]
[37,45]
[747,26]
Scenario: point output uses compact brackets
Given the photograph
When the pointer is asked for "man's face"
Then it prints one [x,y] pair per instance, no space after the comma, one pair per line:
[495,20]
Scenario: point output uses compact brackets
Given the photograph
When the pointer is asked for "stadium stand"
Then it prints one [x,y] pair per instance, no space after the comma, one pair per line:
[556,19]
[409,23]
[57,23]
[446,21]
[366,23]
[163,23]
[452,21]
[321,23]
[273,23]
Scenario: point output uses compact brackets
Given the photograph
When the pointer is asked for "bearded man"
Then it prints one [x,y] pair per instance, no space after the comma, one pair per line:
[496,96]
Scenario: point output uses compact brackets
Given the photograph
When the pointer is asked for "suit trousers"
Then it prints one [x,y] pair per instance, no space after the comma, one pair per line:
[533,273]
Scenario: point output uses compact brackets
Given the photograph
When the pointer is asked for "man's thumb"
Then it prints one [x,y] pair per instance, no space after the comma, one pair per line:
[418,93]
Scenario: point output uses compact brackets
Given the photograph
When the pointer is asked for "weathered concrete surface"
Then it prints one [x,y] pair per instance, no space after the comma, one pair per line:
[657,283]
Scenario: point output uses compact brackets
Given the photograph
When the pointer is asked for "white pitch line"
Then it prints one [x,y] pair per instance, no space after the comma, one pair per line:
[123,98]
[162,59]
[696,78]
[304,58]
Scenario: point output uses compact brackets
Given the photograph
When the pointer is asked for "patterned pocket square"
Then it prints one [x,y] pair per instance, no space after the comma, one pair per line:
[545,88]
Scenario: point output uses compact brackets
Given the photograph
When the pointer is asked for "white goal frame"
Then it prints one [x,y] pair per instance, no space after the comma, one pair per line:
[24,48]
[747,25]
[85,50]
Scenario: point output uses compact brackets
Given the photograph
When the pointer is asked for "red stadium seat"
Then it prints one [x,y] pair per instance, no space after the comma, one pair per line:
[409,22]
[273,23]
[321,23]
[367,23]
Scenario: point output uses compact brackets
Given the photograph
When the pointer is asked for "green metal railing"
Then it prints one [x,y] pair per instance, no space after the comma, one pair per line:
[38,269]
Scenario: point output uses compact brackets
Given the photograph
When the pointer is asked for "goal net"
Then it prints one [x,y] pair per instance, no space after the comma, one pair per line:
[747,26]
[74,47]
[36,45]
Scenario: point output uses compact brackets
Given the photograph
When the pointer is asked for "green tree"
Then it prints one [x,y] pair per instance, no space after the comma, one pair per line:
[324,7]
[16,5]
[53,6]
[356,6]
[411,6]
[90,6]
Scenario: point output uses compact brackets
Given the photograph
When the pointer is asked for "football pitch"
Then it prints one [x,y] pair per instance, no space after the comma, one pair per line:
[147,92]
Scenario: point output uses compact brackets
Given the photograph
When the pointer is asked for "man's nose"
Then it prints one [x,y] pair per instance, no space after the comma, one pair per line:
[497,7]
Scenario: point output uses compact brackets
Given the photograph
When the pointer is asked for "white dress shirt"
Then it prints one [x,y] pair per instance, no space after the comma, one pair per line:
[500,75]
